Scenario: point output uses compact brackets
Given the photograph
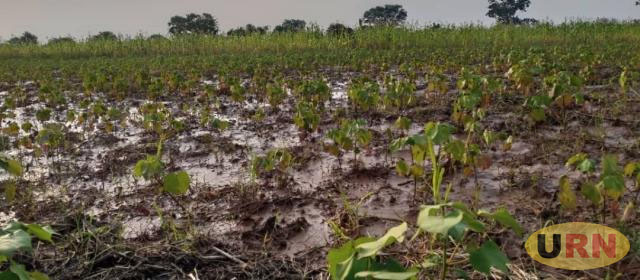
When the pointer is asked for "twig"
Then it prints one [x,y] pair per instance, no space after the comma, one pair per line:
[243,264]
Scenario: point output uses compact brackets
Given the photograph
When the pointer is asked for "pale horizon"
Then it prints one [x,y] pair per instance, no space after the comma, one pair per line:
[80,18]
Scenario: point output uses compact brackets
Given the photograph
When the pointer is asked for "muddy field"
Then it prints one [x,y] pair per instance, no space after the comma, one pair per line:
[281,224]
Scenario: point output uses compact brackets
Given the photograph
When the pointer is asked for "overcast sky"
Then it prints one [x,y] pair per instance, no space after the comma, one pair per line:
[79,18]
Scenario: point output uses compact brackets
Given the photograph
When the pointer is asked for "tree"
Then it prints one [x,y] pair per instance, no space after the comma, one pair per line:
[389,15]
[249,29]
[192,23]
[61,40]
[504,11]
[25,39]
[339,29]
[291,25]
[104,36]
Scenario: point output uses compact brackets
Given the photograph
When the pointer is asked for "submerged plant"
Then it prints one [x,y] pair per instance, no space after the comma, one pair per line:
[276,159]
[352,135]
[152,168]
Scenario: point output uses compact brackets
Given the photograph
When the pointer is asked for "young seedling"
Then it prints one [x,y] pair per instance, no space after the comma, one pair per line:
[447,222]
[609,185]
[352,135]
[276,159]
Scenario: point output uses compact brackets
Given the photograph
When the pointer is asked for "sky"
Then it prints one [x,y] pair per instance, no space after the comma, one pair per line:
[80,18]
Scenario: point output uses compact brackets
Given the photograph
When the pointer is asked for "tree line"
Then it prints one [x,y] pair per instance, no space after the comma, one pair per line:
[503,11]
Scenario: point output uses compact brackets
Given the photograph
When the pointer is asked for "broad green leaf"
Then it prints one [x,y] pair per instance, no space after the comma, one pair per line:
[8,275]
[610,165]
[176,183]
[613,185]
[42,233]
[586,166]
[430,220]
[472,223]
[386,275]
[503,217]
[343,269]
[565,195]
[339,255]
[19,270]
[457,231]
[439,133]
[402,168]
[148,168]
[612,178]
[37,275]
[395,234]
[468,219]
[487,256]
[591,192]
[14,241]
[456,149]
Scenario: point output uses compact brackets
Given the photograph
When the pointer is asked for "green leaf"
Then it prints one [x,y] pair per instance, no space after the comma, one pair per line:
[148,168]
[456,149]
[37,275]
[468,219]
[487,256]
[402,168]
[439,133]
[610,165]
[503,217]
[12,166]
[613,185]
[8,275]
[587,166]
[591,192]
[430,220]
[176,183]
[42,233]
[19,270]
[395,234]
[566,196]
[387,275]
[14,241]
[339,255]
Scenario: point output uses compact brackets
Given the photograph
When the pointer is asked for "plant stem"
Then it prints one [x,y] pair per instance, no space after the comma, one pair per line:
[444,257]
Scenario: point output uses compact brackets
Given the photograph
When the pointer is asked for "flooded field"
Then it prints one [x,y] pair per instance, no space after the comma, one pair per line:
[168,174]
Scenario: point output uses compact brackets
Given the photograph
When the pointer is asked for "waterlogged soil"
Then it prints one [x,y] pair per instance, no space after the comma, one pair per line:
[294,214]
